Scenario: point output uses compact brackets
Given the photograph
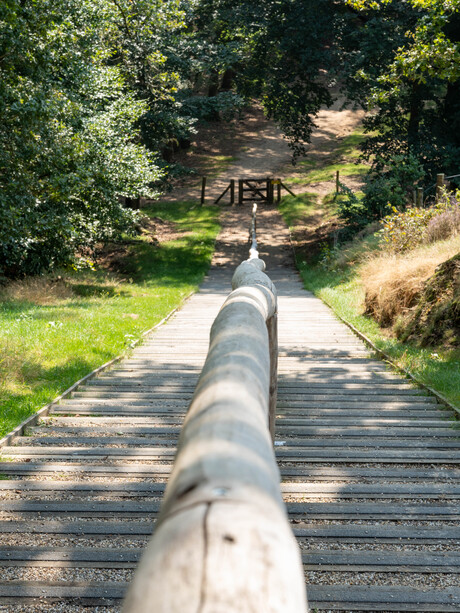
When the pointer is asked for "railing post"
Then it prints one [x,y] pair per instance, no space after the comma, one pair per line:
[419,196]
[240,191]
[203,190]
[232,191]
[272,327]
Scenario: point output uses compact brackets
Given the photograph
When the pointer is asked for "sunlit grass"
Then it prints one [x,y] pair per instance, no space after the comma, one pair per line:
[51,338]
[343,158]
[328,173]
[296,209]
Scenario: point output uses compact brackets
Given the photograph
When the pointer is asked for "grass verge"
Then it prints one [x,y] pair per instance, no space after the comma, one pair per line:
[54,330]
[344,293]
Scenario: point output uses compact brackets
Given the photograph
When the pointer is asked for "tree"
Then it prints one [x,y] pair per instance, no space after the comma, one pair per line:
[68,138]
[402,61]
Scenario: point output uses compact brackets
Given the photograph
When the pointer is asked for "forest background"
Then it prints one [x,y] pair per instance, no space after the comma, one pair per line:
[96,95]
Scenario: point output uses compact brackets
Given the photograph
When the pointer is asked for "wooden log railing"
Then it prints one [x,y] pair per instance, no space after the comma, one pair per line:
[222,542]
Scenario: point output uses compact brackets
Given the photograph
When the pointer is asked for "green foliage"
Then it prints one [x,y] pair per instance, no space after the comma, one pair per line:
[68,137]
[403,231]
[391,188]
[402,60]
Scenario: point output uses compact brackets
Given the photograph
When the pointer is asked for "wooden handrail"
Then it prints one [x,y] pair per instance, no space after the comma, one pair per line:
[222,543]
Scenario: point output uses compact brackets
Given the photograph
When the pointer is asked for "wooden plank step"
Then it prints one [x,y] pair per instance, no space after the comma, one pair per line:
[114,487]
[374,533]
[390,420]
[345,473]
[381,561]
[54,429]
[78,441]
[361,510]
[304,454]
[141,408]
[117,470]
[300,387]
[86,592]
[356,490]
[348,403]
[378,490]
[358,414]
[353,561]
[85,528]
[123,440]
[375,442]
[365,431]
[344,597]
[93,409]
[348,532]
[70,557]
[383,598]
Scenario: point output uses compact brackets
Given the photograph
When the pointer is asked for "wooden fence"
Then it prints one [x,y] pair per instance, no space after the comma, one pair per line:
[222,543]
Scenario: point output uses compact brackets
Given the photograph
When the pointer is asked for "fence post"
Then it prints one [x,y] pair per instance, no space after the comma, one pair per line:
[269,190]
[439,185]
[337,181]
[203,190]
[419,196]
[232,191]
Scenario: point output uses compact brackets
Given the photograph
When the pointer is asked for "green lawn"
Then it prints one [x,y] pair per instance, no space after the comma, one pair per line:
[90,317]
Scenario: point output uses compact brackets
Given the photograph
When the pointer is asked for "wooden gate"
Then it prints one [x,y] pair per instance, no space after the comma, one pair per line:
[253,190]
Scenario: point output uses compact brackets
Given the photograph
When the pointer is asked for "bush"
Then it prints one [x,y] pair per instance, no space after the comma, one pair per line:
[444,225]
[383,192]
[403,231]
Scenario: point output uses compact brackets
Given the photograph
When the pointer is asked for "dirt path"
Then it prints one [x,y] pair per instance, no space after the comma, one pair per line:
[263,151]
[332,126]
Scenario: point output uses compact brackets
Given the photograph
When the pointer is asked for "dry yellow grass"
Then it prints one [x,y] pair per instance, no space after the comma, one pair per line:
[393,282]
[37,290]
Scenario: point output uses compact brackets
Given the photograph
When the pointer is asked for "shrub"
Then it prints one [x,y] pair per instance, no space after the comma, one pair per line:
[444,225]
[403,231]
[382,192]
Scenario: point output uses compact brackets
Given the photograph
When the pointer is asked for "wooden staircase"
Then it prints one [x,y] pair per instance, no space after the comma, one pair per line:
[369,468]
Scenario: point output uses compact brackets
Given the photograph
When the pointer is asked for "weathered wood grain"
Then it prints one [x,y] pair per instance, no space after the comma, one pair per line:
[225,466]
